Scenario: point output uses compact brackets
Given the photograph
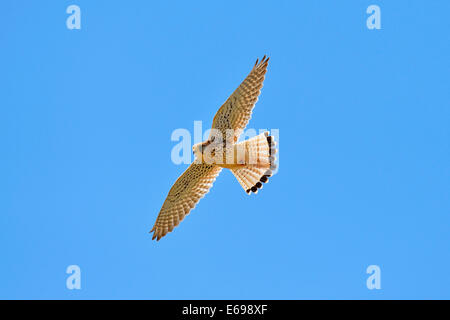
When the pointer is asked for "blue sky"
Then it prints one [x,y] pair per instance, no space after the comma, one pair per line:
[85,124]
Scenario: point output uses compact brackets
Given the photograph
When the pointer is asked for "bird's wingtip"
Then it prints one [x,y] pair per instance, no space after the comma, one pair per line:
[263,61]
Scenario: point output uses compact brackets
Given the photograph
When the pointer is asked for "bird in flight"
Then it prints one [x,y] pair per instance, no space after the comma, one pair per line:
[251,161]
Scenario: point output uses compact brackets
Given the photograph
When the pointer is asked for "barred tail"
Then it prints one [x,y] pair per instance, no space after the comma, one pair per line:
[259,155]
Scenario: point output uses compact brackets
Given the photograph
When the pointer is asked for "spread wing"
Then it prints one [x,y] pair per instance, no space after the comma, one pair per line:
[189,188]
[237,110]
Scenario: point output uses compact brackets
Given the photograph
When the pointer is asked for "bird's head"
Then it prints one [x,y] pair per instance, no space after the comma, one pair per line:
[197,150]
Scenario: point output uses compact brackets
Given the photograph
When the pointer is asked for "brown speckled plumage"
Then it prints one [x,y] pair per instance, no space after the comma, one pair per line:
[198,178]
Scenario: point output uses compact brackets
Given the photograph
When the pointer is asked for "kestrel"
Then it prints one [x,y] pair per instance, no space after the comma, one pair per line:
[251,161]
